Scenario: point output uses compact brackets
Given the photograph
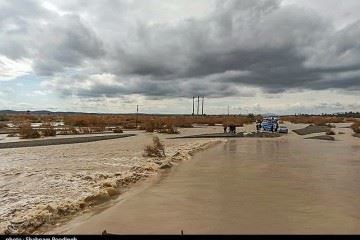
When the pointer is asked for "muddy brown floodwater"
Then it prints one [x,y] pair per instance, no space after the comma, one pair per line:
[246,186]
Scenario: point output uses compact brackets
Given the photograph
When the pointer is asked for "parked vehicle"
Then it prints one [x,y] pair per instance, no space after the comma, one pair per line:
[283,129]
[270,124]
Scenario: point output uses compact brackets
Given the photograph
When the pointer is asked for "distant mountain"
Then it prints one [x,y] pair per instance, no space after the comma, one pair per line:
[45,112]
[270,114]
[40,112]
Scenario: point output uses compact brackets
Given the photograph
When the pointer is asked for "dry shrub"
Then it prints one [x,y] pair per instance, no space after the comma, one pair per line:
[152,125]
[356,127]
[316,120]
[129,125]
[74,131]
[330,132]
[117,130]
[155,150]
[2,125]
[69,131]
[26,131]
[86,121]
[20,119]
[4,118]
[351,119]
[49,131]
[171,129]
[183,122]
[85,130]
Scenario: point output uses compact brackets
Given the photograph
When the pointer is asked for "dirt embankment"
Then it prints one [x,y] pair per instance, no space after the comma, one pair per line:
[311,129]
[322,137]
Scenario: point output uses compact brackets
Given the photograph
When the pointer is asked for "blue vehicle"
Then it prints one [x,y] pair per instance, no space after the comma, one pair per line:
[270,124]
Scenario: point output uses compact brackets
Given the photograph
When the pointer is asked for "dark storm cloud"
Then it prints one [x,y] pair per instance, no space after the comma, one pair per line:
[68,44]
[271,42]
[241,43]
[52,42]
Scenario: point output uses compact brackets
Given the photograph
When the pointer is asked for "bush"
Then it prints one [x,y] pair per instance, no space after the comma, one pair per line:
[330,132]
[118,130]
[317,120]
[129,125]
[152,125]
[2,125]
[69,131]
[169,130]
[3,118]
[26,131]
[356,127]
[49,131]
[155,150]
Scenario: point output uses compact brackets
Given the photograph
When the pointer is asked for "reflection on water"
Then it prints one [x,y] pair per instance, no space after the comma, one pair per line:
[249,186]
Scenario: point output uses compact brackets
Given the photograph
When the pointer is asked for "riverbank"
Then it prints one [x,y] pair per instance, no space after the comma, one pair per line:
[42,185]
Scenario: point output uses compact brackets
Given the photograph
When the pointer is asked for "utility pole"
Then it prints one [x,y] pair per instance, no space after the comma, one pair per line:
[202,108]
[193,105]
[198,105]
[137,113]
[228,110]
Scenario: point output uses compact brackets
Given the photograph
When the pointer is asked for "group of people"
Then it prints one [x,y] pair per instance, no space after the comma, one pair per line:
[258,125]
[231,127]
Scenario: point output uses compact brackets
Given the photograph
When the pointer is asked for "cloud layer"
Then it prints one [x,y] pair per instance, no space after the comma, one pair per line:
[117,48]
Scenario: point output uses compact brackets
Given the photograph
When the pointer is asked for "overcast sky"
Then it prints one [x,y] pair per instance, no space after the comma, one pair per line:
[258,56]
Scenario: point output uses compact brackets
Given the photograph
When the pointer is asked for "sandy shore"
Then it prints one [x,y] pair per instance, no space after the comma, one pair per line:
[41,185]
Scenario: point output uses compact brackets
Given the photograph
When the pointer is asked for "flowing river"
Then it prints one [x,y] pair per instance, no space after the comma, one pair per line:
[245,186]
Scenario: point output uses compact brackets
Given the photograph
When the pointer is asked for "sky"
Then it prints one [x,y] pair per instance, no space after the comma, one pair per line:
[251,56]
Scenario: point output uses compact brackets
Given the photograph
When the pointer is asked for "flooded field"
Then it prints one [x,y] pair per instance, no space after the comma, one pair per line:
[285,185]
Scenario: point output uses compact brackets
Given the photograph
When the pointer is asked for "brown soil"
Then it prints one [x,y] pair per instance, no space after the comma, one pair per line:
[323,137]
[312,129]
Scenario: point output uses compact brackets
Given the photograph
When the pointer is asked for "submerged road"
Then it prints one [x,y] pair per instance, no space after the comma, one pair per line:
[246,186]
